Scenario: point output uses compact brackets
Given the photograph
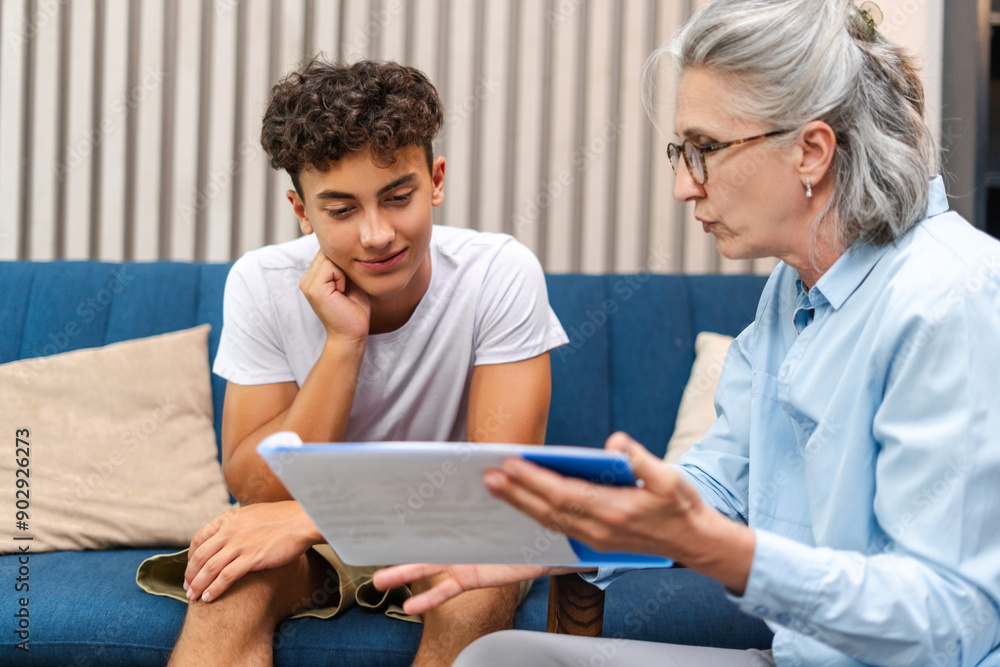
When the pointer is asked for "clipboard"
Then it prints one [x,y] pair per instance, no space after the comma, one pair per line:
[389,503]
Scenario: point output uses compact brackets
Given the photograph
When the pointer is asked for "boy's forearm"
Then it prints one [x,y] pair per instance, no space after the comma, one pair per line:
[322,407]
[319,413]
[250,479]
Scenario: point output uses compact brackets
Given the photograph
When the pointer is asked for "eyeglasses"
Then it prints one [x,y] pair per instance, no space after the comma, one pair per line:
[694,155]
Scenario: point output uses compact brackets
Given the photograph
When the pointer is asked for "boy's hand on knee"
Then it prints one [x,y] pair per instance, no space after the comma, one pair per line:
[341,306]
[246,539]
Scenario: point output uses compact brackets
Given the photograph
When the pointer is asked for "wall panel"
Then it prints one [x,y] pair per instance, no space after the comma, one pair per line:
[129,129]
[11,155]
[42,116]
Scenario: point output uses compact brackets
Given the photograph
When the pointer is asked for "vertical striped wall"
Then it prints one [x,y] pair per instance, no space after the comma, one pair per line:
[128,128]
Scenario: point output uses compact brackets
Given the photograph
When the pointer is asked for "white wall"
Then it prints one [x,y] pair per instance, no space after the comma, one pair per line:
[128,128]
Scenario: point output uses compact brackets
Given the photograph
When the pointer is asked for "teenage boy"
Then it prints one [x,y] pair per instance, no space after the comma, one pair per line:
[375,325]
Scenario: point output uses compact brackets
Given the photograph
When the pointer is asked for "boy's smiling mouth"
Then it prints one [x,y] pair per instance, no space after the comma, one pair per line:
[384,262]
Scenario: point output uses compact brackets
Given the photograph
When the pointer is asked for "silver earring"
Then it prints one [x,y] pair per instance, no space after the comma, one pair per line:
[809,189]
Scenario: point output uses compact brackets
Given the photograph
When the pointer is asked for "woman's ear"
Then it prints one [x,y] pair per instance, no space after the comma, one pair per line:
[818,143]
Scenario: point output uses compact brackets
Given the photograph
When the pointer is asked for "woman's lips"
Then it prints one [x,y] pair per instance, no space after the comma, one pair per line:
[706,224]
[385,263]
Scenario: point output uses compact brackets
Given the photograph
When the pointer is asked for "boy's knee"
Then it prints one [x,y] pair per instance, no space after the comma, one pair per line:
[258,599]
[247,603]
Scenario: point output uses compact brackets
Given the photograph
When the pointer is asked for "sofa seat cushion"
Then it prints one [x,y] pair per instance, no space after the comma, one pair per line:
[85,608]
[679,606]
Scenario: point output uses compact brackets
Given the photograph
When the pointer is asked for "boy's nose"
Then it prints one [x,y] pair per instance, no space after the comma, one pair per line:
[376,232]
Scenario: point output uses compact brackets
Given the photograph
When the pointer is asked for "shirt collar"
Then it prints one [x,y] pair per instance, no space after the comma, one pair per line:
[938,199]
[851,269]
[847,273]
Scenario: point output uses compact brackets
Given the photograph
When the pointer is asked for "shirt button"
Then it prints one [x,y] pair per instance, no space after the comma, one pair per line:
[784,619]
[760,610]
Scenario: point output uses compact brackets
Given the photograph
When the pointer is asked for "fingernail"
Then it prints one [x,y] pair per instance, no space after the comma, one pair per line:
[492,480]
[185,584]
[190,595]
[206,597]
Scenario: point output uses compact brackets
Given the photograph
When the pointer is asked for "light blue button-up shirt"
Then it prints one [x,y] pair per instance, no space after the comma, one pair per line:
[859,437]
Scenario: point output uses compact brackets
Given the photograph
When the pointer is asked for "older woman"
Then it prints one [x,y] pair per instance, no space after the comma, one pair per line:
[849,493]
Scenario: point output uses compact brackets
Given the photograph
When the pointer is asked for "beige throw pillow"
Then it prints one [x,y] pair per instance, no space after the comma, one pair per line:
[117,447]
[696,413]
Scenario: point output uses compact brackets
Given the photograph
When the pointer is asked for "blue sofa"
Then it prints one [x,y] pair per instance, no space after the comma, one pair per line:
[630,353]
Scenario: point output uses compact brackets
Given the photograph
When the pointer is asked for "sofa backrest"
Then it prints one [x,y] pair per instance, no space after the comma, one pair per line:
[630,352]
[52,307]
[632,347]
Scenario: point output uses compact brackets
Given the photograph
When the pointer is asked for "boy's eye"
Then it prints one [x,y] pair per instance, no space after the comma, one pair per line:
[400,199]
[338,212]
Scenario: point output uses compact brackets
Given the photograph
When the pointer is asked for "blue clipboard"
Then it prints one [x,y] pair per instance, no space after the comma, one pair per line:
[334,483]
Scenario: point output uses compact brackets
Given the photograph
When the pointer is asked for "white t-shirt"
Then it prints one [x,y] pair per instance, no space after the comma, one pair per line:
[486,304]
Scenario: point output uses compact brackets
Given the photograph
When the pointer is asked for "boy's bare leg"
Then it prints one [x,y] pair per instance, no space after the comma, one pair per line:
[240,624]
[454,625]
[238,627]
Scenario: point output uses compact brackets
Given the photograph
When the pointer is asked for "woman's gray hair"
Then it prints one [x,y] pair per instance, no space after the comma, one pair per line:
[794,61]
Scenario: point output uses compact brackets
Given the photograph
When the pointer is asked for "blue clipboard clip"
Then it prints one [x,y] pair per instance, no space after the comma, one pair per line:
[612,469]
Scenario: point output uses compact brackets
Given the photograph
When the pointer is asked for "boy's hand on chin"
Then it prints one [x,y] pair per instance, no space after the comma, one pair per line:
[341,306]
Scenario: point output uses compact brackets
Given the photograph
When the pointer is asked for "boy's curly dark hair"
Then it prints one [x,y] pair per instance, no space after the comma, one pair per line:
[322,112]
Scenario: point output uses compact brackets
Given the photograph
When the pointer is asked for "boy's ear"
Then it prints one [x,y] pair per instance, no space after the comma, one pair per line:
[300,211]
[437,181]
